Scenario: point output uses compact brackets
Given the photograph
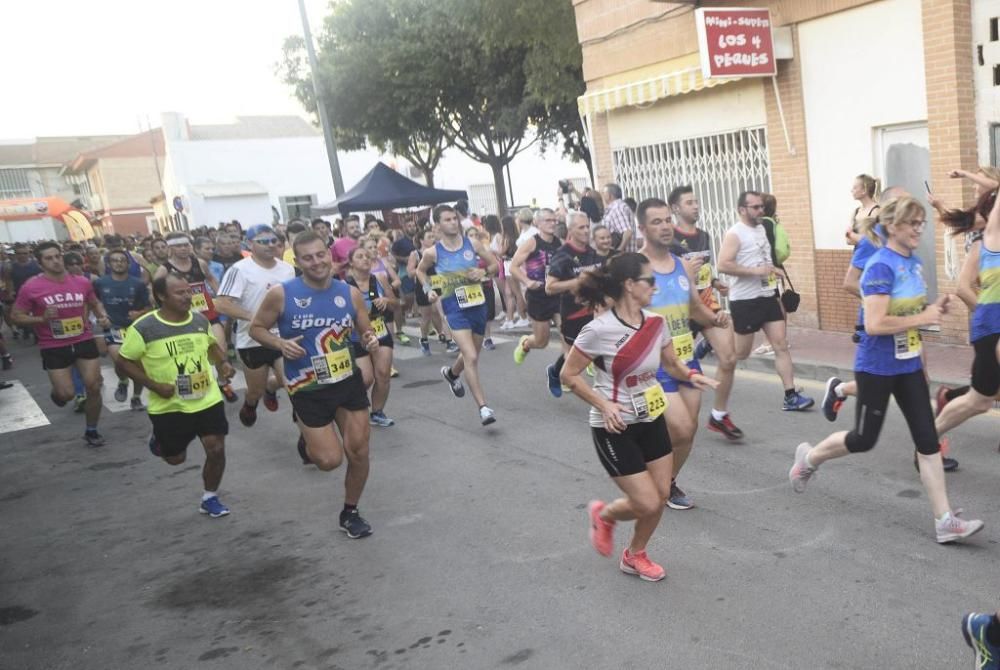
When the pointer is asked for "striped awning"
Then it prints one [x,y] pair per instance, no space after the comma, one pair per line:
[675,77]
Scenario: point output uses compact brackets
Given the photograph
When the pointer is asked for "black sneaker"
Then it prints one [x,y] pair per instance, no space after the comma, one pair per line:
[725,426]
[248,415]
[352,524]
[832,401]
[94,439]
[303,454]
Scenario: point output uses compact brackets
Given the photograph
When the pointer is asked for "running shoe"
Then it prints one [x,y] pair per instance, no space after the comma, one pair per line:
[940,400]
[8,362]
[136,404]
[393,373]
[452,347]
[832,401]
[797,402]
[457,388]
[519,351]
[725,426]
[154,446]
[801,470]
[522,323]
[974,627]
[488,344]
[352,524]
[271,400]
[555,386]
[601,533]
[951,528]
[228,393]
[380,419]
[402,338]
[703,348]
[303,454]
[425,347]
[213,507]
[487,416]
[639,564]
[93,438]
[507,325]
[248,415]
[121,391]
[79,404]
[678,499]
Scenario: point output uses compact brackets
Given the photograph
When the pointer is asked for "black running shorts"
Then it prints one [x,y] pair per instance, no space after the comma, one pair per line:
[750,315]
[627,453]
[59,358]
[985,367]
[174,431]
[318,408]
[258,357]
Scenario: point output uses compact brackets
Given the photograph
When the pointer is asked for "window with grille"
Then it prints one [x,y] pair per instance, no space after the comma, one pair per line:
[718,167]
[297,206]
[14,183]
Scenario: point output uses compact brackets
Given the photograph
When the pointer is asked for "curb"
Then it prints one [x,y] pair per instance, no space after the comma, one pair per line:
[821,370]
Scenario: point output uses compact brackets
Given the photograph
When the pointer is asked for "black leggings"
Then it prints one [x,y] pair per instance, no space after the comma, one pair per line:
[912,396]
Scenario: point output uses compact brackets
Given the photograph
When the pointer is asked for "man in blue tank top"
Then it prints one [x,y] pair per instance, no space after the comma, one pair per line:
[457,283]
[315,315]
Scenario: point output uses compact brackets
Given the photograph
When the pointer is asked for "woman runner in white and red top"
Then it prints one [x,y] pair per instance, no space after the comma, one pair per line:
[627,344]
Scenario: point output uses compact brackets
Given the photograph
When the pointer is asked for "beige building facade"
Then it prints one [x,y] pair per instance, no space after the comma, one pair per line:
[892,88]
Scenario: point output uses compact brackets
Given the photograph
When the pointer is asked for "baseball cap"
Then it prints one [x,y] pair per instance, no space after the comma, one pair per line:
[255,230]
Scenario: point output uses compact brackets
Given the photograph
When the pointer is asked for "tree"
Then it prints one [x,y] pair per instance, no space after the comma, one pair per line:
[364,49]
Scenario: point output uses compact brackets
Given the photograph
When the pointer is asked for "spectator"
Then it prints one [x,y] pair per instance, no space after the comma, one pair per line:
[618,218]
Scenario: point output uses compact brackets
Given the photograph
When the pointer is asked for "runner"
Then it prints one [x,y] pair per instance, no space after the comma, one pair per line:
[135,268]
[985,329]
[695,246]
[159,253]
[125,299]
[457,283]
[627,345]
[379,301]
[401,250]
[240,294]
[56,305]
[675,298]
[19,270]
[888,363]
[316,315]
[170,351]
[572,258]
[429,312]
[746,256]
[530,265]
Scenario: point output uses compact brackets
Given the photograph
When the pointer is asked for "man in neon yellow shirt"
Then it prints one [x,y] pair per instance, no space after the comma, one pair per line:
[170,351]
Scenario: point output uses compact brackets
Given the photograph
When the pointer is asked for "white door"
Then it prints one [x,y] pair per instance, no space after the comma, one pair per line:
[902,158]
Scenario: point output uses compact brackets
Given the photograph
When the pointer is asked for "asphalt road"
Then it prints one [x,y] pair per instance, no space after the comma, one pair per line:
[480,557]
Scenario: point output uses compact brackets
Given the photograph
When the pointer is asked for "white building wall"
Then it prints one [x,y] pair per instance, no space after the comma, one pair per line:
[987,95]
[714,110]
[861,69]
[248,209]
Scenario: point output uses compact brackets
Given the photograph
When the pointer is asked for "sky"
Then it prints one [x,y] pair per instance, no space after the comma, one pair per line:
[97,67]
[107,66]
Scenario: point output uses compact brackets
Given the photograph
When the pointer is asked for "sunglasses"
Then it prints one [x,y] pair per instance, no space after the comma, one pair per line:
[267,241]
[651,281]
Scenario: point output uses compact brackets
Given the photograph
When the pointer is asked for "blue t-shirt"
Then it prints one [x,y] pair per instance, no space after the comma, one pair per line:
[121,297]
[902,279]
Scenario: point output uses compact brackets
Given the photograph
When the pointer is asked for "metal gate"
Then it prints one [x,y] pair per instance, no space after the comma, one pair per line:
[718,167]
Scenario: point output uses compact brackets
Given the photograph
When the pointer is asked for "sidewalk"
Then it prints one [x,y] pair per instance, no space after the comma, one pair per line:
[820,354]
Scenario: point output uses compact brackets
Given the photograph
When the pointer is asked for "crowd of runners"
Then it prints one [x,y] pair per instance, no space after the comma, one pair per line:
[634,300]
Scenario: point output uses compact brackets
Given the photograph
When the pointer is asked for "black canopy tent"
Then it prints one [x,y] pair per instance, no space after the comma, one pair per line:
[384,188]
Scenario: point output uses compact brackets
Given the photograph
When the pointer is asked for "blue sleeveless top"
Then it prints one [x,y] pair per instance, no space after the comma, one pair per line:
[450,269]
[986,318]
[672,301]
[325,319]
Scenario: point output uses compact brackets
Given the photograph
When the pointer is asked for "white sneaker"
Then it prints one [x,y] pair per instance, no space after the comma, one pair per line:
[950,528]
[502,316]
[522,323]
[507,325]
[486,415]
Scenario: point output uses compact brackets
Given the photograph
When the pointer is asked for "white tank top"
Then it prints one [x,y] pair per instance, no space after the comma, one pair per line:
[754,251]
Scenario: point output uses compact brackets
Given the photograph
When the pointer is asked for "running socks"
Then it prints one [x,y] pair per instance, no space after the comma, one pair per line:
[348,510]
[839,390]
[209,494]
[956,392]
[718,415]
[789,392]
[558,365]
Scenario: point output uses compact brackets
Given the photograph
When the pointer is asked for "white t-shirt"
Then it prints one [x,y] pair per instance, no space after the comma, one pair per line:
[246,282]
[754,251]
[529,232]
[625,358]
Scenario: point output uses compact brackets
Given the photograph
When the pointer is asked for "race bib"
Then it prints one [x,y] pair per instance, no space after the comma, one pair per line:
[907,344]
[333,367]
[198,302]
[378,325]
[64,328]
[437,282]
[704,278]
[769,282]
[684,347]
[193,386]
[470,295]
[651,403]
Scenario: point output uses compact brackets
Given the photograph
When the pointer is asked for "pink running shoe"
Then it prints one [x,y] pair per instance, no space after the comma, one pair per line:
[602,533]
[639,564]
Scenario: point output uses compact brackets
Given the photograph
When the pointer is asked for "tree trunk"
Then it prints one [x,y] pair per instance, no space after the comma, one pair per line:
[428,177]
[501,189]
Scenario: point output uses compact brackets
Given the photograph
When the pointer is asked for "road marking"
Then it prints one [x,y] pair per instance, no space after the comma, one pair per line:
[18,410]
